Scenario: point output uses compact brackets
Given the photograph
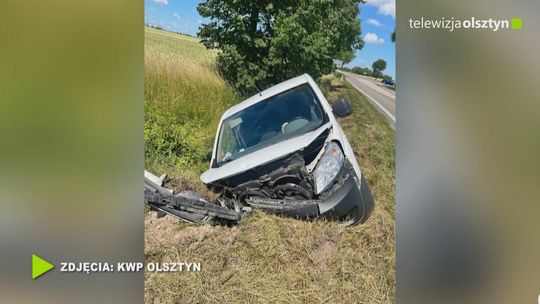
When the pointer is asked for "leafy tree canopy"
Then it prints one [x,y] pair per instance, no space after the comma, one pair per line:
[263,42]
[378,66]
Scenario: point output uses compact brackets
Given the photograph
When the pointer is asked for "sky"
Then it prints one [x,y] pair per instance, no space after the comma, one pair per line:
[377,22]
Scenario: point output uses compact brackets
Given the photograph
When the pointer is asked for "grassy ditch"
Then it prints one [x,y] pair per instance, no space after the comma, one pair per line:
[266,258]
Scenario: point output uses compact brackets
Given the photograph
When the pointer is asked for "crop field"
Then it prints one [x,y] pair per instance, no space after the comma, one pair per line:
[184,100]
[265,259]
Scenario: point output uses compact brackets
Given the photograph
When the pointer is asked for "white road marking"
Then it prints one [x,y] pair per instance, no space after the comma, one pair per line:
[377,103]
[376,88]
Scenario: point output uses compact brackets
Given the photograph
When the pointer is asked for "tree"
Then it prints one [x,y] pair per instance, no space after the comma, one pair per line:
[361,71]
[378,66]
[393,36]
[357,70]
[263,42]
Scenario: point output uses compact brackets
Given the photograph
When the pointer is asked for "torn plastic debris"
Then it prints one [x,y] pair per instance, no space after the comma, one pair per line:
[187,205]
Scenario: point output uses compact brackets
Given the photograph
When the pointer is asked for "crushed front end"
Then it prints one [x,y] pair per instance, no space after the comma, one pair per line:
[287,187]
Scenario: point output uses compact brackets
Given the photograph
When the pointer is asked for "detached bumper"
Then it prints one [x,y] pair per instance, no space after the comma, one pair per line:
[349,203]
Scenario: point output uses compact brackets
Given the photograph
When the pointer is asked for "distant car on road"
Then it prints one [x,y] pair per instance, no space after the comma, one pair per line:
[389,82]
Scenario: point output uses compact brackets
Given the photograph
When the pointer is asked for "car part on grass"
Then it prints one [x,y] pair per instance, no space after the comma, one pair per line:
[184,206]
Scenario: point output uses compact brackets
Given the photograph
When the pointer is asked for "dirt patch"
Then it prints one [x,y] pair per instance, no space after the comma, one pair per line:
[325,248]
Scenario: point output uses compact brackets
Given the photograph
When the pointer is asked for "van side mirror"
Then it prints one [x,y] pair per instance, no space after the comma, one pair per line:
[342,108]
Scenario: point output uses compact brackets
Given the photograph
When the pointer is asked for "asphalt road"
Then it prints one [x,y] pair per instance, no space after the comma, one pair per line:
[382,97]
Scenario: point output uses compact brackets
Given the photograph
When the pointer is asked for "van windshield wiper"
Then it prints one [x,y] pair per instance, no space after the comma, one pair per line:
[229,159]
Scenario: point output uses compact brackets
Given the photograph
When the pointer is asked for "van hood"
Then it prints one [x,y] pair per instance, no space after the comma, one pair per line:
[262,156]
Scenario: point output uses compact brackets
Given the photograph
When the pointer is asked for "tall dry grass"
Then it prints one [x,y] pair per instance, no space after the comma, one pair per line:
[184,100]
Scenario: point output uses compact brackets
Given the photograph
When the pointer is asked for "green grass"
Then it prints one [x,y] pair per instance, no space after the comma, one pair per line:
[184,100]
[266,258]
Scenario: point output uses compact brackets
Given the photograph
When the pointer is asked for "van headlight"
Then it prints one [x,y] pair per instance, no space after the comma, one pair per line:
[328,167]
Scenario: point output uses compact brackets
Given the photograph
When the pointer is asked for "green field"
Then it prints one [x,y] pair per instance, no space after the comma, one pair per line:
[266,258]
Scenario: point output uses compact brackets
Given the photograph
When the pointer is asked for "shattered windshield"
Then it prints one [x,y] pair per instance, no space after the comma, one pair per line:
[277,118]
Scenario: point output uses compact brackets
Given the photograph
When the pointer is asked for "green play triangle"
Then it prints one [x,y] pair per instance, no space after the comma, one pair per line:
[39,266]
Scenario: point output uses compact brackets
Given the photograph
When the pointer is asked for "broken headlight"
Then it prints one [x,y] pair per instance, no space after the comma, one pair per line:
[328,167]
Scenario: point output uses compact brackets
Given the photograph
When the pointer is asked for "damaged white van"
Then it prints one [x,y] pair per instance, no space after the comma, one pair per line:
[283,151]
